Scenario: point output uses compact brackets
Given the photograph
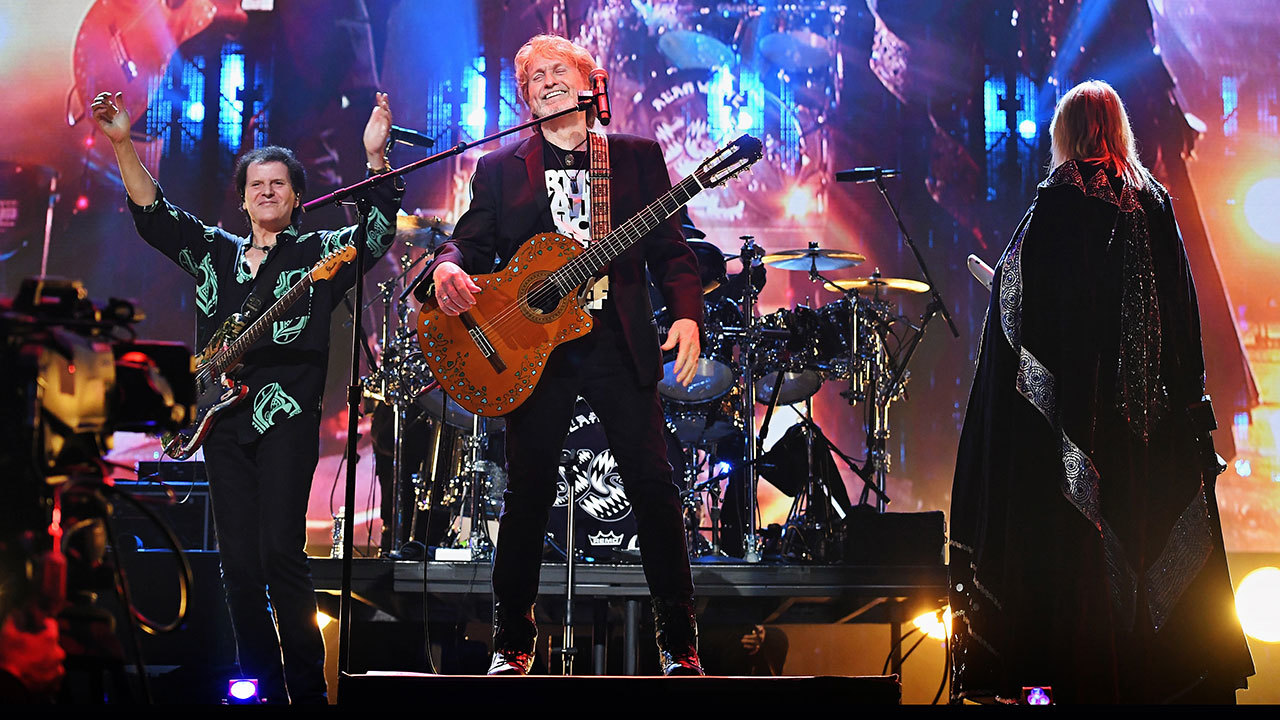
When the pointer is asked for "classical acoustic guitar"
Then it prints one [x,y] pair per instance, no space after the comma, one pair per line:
[490,358]
[217,389]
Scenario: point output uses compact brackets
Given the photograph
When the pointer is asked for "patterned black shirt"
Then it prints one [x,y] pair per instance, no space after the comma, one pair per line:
[285,369]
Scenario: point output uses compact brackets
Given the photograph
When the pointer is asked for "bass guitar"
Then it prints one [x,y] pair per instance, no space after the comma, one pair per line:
[216,389]
[490,358]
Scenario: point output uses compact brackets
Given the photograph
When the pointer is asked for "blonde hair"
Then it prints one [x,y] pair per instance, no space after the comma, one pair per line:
[556,48]
[1091,125]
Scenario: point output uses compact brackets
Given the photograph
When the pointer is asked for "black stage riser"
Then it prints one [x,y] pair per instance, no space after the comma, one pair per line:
[584,694]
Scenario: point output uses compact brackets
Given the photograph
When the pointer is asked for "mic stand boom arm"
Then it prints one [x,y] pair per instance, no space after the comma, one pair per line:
[924,269]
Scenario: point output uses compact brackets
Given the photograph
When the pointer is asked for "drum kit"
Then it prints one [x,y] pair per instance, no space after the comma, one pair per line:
[749,363]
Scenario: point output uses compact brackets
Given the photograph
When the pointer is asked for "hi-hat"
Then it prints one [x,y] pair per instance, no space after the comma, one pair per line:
[711,265]
[813,258]
[878,285]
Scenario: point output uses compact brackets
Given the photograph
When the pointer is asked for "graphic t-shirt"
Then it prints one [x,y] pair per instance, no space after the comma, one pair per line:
[569,190]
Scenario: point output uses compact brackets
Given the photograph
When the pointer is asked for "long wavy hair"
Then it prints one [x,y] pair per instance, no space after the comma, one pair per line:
[1090,124]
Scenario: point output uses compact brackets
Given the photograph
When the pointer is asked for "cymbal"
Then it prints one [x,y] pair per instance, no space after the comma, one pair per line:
[813,259]
[422,231]
[689,50]
[796,50]
[879,285]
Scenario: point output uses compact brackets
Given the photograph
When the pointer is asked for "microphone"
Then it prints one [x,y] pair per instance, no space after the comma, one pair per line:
[864,174]
[599,79]
[405,136]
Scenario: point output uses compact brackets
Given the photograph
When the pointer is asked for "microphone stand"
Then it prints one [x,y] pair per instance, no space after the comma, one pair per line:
[358,191]
[878,430]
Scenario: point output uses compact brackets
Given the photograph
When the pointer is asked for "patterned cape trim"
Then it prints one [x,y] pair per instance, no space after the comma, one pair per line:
[1189,542]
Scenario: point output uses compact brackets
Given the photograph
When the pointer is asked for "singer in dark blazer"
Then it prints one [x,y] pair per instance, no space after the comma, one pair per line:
[539,185]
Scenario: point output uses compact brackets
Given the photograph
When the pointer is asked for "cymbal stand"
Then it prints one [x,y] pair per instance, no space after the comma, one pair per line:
[478,539]
[750,538]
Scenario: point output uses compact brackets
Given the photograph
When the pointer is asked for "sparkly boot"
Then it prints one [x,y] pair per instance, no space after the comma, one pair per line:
[676,632]
[513,641]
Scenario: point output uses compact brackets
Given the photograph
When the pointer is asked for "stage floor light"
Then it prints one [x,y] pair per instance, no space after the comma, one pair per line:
[933,626]
[1258,604]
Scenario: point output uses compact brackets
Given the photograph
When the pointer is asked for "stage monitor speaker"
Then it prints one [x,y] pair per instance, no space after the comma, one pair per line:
[190,515]
[874,538]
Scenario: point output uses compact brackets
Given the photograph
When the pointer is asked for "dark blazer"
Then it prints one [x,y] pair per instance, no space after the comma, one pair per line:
[509,205]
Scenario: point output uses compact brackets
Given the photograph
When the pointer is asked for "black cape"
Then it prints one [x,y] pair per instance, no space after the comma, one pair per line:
[1086,550]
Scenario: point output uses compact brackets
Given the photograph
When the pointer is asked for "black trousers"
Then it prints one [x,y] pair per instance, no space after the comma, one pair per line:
[259,492]
[597,368]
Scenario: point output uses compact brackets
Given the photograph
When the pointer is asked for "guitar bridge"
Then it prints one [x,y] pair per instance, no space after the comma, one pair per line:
[482,342]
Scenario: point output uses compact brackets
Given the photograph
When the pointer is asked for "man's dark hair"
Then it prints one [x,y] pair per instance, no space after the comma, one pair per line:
[273,153]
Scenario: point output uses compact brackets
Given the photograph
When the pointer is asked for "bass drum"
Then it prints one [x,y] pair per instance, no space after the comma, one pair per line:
[605,526]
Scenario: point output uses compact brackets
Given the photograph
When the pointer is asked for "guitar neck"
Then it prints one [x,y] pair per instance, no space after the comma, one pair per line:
[231,354]
[601,252]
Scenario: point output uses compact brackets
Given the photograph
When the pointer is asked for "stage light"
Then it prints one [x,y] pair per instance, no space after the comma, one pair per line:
[1243,468]
[1036,695]
[195,112]
[721,468]
[799,202]
[1258,604]
[745,120]
[242,691]
[82,203]
[931,625]
[1027,129]
[1262,208]
[322,619]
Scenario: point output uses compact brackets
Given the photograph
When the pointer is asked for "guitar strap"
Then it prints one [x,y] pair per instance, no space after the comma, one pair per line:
[600,176]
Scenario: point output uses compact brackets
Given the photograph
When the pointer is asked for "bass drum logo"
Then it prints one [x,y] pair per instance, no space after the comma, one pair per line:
[604,522]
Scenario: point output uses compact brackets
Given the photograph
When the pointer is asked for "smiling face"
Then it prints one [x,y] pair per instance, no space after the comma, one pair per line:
[554,84]
[269,197]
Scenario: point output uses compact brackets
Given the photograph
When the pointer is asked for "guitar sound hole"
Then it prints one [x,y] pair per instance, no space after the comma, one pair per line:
[544,298]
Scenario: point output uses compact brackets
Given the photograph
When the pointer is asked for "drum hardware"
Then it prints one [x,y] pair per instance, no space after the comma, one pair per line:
[712,486]
[750,540]
[480,475]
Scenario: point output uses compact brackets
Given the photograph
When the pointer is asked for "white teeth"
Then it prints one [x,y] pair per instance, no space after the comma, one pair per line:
[552,94]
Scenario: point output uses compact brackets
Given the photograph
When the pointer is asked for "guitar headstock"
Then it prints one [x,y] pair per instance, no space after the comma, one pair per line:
[729,160]
[328,267]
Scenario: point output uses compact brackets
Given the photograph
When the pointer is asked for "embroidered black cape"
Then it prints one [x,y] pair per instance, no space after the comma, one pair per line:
[1086,551]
